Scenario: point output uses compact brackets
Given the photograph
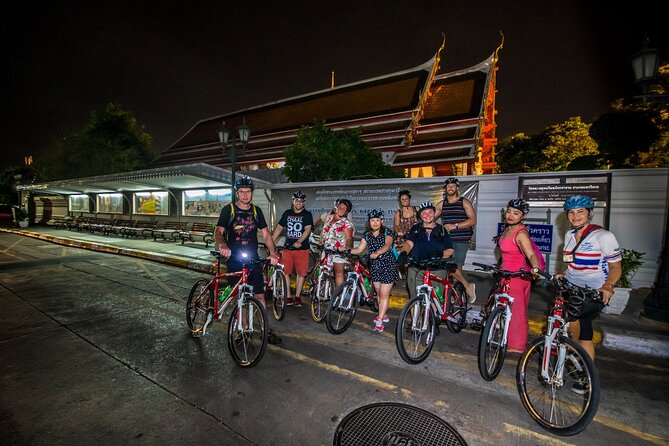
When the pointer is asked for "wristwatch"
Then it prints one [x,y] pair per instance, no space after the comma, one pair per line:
[457,225]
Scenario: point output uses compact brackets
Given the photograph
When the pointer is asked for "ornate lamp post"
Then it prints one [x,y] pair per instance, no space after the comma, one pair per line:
[656,306]
[232,146]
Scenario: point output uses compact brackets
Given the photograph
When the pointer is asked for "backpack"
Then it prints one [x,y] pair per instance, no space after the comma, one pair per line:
[232,213]
[539,255]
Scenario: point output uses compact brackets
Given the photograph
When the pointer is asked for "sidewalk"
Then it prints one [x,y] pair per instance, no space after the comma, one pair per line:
[628,331]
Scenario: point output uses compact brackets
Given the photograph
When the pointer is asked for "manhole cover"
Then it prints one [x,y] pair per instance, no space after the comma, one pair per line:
[390,424]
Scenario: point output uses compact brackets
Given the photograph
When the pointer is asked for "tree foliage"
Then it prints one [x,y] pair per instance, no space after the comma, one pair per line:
[622,134]
[321,154]
[111,142]
[555,149]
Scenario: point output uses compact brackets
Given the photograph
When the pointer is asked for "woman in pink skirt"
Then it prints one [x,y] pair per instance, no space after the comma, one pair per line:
[517,253]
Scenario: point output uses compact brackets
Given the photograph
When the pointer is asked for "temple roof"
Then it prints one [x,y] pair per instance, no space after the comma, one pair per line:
[413,116]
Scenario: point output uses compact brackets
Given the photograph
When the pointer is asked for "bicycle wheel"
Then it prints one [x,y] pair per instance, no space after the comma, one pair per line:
[492,348]
[247,339]
[279,294]
[200,305]
[342,310]
[415,332]
[457,307]
[552,403]
[320,300]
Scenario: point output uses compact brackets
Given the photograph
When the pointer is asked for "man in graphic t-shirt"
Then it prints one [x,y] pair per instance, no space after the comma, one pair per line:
[298,223]
[236,237]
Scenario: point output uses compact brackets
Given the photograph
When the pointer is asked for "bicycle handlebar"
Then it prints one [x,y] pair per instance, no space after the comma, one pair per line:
[218,256]
[434,262]
[506,273]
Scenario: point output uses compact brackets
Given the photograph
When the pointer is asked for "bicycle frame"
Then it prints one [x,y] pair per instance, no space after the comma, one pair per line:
[557,326]
[240,288]
[356,276]
[428,290]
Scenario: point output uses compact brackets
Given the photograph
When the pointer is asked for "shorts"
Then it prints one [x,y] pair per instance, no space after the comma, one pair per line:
[255,278]
[297,260]
[461,249]
[590,311]
[336,258]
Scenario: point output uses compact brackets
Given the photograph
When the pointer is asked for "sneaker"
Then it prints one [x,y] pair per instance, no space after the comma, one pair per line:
[378,326]
[581,387]
[471,293]
[386,319]
[298,302]
[289,302]
[273,338]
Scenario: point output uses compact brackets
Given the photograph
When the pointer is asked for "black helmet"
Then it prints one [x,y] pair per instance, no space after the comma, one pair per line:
[404,192]
[347,202]
[520,204]
[426,205]
[452,180]
[243,182]
[375,213]
[299,195]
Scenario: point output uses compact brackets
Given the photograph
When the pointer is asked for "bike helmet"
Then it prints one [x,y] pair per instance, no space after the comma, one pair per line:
[577,202]
[520,204]
[404,192]
[426,205]
[452,180]
[299,195]
[347,202]
[243,182]
[375,213]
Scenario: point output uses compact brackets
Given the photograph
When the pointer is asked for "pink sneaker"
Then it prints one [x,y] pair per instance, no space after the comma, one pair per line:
[378,326]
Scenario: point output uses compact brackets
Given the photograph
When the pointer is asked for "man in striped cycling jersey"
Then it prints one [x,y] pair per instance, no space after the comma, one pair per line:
[458,217]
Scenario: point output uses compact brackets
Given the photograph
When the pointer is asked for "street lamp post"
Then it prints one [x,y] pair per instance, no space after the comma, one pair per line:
[233,147]
[656,306]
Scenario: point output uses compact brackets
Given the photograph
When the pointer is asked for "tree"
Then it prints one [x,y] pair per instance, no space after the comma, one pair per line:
[321,154]
[623,135]
[111,142]
[552,150]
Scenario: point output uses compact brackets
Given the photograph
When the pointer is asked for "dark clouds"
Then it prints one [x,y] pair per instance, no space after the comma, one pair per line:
[173,63]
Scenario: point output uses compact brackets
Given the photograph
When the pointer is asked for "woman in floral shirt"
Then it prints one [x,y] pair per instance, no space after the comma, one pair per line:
[338,233]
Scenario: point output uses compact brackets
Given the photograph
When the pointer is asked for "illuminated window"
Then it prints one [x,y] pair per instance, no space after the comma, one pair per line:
[151,203]
[79,203]
[205,202]
[110,203]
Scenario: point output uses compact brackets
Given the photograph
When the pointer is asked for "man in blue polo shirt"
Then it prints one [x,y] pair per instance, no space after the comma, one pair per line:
[426,240]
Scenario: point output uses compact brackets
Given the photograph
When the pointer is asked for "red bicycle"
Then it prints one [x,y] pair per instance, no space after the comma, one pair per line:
[248,327]
[356,290]
[494,319]
[420,318]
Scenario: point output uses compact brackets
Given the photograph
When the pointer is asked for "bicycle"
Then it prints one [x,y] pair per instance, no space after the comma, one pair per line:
[353,292]
[276,286]
[553,363]
[248,324]
[495,316]
[324,285]
[419,319]
[315,252]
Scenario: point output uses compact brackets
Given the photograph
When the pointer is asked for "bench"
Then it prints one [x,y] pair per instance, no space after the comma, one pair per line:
[141,227]
[101,225]
[59,222]
[202,231]
[169,229]
[119,227]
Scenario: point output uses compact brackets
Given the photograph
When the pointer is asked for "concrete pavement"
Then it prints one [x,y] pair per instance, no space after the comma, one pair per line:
[628,331]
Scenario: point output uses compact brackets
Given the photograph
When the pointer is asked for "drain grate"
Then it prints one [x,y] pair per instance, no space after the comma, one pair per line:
[391,424]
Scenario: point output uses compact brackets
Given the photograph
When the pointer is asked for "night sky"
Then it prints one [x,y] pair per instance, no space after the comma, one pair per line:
[174,63]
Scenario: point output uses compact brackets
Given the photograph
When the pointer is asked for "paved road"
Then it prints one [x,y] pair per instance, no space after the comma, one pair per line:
[95,351]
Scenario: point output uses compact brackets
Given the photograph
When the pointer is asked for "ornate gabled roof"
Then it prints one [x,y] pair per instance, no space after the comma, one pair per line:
[413,116]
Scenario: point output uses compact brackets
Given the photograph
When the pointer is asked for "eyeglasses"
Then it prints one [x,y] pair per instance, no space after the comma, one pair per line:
[298,200]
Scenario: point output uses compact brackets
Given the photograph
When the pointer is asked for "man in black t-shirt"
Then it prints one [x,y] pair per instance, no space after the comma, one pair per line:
[237,238]
[298,223]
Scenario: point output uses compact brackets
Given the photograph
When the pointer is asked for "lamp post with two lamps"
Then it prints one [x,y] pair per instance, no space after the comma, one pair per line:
[656,306]
[232,146]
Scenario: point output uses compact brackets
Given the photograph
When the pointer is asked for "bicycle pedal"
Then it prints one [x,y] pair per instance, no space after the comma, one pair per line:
[476,325]
[210,318]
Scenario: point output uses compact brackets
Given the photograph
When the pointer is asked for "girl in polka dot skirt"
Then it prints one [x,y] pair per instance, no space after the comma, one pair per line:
[379,241]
